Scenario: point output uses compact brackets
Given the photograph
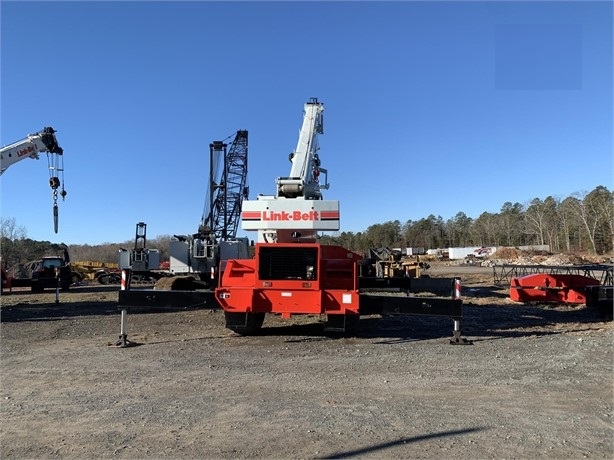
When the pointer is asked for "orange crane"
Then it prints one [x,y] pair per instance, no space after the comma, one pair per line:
[293,274]
[290,273]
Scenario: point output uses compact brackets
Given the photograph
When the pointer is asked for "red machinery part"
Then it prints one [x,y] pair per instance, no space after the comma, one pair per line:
[547,287]
[289,279]
[6,280]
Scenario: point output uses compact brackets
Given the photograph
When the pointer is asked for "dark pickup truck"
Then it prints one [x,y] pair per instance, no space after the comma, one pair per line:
[49,272]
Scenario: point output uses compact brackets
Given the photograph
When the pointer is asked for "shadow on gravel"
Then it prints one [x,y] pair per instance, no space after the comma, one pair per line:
[23,305]
[479,323]
[54,312]
[74,289]
[522,320]
[401,441]
[486,291]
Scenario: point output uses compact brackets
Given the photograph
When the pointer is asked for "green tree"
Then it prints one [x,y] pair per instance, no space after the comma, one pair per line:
[11,238]
[601,202]
[458,230]
[510,224]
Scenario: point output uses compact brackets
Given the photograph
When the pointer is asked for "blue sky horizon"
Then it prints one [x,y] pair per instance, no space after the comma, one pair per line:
[430,107]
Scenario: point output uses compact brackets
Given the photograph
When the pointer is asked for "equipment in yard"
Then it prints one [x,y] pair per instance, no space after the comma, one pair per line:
[141,259]
[43,273]
[293,274]
[195,259]
[549,287]
[389,263]
[290,273]
[107,276]
[51,272]
[7,280]
[31,147]
[199,255]
[601,298]
[503,274]
[102,272]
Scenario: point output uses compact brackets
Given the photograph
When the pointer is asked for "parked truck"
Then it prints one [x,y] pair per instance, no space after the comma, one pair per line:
[51,272]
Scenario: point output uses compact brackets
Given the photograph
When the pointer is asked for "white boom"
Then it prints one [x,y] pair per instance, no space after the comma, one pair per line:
[30,147]
[297,211]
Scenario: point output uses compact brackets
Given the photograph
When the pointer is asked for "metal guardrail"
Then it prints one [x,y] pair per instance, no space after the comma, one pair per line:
[503,274]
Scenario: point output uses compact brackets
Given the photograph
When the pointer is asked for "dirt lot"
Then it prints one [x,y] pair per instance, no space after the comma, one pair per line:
[536,382]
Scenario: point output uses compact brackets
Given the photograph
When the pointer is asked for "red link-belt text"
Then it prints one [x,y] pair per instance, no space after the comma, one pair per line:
[294,215]
[26,151]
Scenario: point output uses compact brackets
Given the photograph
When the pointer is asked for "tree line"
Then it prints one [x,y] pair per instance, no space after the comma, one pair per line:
[582,222]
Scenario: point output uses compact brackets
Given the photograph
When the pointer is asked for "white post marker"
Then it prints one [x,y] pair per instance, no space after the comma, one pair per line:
[456,337]
[123,341]
[57,285]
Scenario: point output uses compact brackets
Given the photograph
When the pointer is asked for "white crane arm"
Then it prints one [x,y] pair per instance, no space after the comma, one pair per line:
[30,147]
[298,210]
[303,180]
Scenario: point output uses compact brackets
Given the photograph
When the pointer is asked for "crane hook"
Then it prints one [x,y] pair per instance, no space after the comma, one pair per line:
[55,218]
[54,182]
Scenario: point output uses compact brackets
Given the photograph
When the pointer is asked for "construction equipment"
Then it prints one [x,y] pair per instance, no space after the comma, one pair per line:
[102,272]
[549,287]
[49,271]
[390,263]
[293,274]
[141,260]
[601,298]
[31,147]
[290,273]
[7,280]
[195,259]
[52,272]
[199,255]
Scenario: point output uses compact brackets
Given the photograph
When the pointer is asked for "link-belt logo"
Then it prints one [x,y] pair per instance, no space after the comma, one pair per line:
[294,216]
[288,216]
[25,151]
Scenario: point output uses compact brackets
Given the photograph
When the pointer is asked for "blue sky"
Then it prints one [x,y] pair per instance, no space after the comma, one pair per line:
[430,107]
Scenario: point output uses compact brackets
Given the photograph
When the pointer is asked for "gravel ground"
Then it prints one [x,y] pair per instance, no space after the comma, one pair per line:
[535,383]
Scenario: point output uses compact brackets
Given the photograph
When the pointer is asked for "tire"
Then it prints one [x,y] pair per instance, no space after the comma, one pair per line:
[342,325]
[76,278]
[244,323]
[351,325]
